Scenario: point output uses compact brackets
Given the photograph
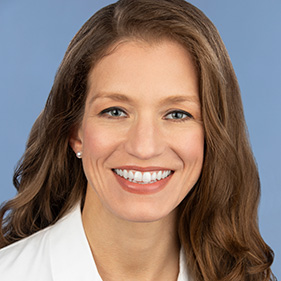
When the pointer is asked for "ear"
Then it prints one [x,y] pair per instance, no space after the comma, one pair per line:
[75,139]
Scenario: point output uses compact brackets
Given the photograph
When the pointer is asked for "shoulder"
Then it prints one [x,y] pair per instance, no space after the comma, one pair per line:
[30,258]
[59,252]
[27,257]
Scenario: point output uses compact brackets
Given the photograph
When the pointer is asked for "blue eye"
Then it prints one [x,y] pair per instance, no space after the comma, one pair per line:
[178,115]
[113,112]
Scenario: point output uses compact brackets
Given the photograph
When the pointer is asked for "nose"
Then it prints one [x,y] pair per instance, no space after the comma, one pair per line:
[145,140]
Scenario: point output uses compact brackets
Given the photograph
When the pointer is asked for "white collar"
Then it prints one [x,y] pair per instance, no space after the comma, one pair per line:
[69,244]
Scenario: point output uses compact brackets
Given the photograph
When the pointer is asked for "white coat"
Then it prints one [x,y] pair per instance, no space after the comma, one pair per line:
[58,253]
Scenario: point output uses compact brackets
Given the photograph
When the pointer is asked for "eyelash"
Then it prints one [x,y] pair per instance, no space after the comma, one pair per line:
[109,114]
[109,110]
[188,115]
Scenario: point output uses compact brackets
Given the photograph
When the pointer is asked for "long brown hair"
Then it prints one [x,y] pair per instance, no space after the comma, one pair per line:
[218,226]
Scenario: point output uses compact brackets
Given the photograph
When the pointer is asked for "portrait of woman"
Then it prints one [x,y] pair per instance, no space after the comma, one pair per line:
[139,167]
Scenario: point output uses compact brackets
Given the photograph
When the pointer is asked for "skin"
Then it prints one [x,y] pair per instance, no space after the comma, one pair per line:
[155,124]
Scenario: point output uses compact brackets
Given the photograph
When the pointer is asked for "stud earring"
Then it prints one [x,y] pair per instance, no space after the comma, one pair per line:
[79,154]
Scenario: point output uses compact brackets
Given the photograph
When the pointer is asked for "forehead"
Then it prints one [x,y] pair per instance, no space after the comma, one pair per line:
[139,68]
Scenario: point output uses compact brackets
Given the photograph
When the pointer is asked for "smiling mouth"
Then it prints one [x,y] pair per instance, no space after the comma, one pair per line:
[143,177]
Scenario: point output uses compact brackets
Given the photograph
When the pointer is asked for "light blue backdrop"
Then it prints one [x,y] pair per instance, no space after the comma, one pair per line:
[34,36]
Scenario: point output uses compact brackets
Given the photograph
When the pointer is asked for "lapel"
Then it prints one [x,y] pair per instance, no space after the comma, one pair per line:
[183,272]
[70,253]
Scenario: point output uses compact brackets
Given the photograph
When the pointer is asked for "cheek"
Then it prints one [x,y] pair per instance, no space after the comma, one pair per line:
[97,140]
[191,147]
[98,145]
[192,155]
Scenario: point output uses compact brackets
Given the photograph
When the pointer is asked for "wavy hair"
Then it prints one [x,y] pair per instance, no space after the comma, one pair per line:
[218,226]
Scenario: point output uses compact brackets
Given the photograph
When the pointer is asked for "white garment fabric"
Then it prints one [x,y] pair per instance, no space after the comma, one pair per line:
[58,253]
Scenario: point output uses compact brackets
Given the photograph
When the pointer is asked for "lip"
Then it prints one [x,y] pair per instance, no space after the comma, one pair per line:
[143,189]
[143,169]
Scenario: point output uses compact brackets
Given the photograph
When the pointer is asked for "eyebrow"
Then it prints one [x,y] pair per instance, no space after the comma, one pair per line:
[180,99]
[168,100]
[112,96]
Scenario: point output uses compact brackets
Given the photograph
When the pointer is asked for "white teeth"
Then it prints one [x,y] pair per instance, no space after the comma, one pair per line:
[142,178]
[146,177]
[165,174]
[159,175]
[131,175]
[125,174]
[138,176]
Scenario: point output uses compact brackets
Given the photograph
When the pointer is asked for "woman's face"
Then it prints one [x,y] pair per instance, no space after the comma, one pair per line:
[141,136]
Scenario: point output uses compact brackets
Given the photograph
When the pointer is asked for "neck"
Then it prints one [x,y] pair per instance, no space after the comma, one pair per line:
[125,250]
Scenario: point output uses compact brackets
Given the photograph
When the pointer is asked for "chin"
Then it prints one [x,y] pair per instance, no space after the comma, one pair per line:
[145,215]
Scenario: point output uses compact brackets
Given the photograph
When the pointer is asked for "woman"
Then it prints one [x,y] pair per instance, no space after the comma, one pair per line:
[139,167]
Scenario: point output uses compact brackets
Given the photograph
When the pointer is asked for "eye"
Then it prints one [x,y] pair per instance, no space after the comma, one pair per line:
[113,112]
[178,115]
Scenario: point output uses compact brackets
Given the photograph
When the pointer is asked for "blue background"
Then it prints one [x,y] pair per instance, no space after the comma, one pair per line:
[34,36]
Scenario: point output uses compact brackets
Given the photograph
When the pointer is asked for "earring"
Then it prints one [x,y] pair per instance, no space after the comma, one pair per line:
[79,154]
